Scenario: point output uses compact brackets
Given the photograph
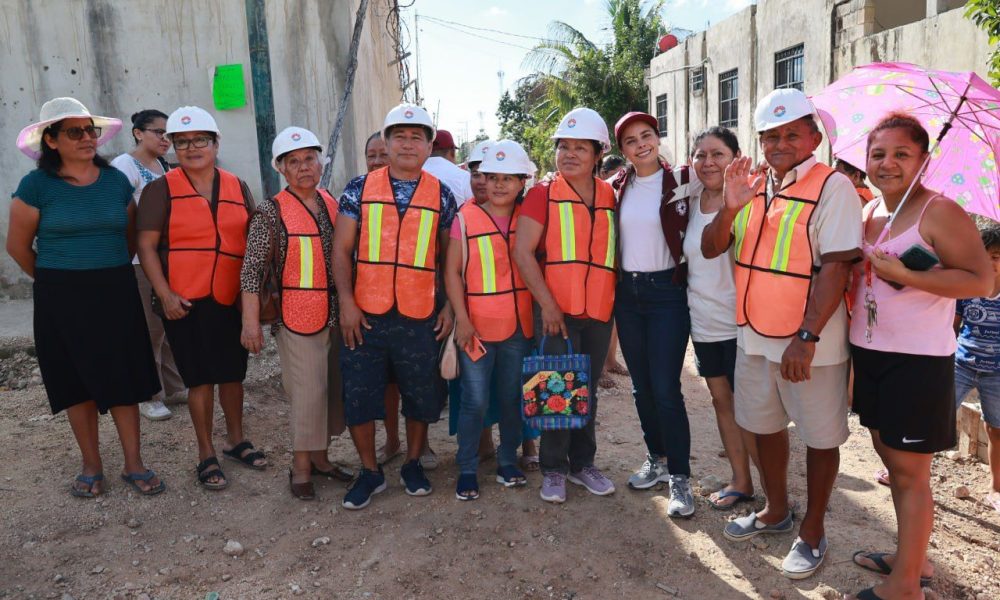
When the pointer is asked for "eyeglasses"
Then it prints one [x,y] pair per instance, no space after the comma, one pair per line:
[157,132]
[76,133]
[202,141]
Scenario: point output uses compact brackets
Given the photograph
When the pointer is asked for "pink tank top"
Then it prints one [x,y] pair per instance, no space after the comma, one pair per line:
[910,321]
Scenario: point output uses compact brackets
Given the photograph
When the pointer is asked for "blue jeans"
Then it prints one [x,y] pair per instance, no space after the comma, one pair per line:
[988,386]
[653,327]
[501,364]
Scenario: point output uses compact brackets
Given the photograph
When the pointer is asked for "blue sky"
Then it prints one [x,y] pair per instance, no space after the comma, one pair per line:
[458,67]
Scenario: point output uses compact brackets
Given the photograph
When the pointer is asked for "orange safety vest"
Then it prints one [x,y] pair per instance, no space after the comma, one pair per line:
[397,258]
[580,250]
[305,287]
[865,194]
[495,294]
[205,247]
[774,262]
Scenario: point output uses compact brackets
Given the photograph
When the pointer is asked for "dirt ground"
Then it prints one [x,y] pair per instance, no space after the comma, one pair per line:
[509,544]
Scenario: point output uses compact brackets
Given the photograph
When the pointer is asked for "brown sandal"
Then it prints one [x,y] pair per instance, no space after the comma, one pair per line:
[302,491]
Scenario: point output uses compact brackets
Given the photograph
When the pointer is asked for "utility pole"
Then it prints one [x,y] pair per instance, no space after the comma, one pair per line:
[416,44]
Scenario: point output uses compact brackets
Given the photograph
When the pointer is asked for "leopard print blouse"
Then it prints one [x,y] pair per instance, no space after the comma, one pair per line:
[263,226]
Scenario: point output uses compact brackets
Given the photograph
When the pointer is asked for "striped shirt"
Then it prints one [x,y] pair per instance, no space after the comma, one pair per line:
[81,226]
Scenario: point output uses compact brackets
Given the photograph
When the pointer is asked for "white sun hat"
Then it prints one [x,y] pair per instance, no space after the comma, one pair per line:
[29,141]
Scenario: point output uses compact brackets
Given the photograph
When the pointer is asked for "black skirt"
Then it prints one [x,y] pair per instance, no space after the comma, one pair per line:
[206,344]
[91,338]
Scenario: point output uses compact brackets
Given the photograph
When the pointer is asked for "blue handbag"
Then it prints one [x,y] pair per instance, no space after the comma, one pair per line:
[555,389]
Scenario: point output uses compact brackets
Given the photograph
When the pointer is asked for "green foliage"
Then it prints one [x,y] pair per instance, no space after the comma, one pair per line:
[986,15]
[572,71]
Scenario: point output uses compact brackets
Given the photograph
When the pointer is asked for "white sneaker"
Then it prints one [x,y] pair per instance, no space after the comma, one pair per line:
[681,499]
[154,410]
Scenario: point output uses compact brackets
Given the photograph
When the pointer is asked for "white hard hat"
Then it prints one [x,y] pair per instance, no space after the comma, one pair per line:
[190,118]
[293,138]
[408,114]
[781,107]
[479,151]
[583,123]
[507,157]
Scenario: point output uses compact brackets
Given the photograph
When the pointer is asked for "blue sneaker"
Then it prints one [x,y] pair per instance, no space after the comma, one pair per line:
[411,475]
[368,483]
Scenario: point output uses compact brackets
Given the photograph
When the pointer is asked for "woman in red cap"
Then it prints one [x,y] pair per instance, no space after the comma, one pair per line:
[651,304]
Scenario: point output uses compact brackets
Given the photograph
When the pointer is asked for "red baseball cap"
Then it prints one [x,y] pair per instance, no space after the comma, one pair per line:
[444,141]
[632,117]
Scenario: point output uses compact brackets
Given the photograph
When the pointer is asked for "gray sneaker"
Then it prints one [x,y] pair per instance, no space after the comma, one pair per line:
[744,528]
[649,474]
[681,499]
[803,560]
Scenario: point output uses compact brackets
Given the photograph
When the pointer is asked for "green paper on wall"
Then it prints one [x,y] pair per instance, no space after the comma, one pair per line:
[228,88]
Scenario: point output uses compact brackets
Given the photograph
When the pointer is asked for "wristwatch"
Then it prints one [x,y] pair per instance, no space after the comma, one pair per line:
[807,336]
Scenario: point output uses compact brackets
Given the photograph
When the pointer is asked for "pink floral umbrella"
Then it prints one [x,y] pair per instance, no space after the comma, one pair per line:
[960,111]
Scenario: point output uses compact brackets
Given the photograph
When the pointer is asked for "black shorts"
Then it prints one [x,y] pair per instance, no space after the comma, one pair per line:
[908,398]
[715,359]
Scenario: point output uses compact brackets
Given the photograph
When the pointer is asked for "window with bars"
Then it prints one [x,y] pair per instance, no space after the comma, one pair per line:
[729,98]
[697,80]
[788,68]
[661,114]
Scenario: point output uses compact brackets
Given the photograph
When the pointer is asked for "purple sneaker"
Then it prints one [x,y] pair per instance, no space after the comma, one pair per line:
[554,488]
[592,479]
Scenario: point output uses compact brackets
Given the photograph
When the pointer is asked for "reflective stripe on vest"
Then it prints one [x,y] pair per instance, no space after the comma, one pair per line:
[495,296]
[397,258]
[205,247]
[305,283]
[580,250]
[774,260]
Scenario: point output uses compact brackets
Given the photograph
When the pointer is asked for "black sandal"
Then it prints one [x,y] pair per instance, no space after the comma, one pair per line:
[236,453]
[204,474]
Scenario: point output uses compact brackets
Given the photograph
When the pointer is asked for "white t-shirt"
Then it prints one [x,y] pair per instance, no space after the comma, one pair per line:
[711,289]
[138,175]
[643,247]
[458,180]
[835,228]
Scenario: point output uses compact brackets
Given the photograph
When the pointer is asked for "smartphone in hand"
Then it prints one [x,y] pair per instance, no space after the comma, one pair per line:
[475,349]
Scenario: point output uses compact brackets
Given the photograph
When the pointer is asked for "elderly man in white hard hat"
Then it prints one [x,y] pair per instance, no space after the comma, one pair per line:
[391,235]
[192,237]
[796,231]
[290,251]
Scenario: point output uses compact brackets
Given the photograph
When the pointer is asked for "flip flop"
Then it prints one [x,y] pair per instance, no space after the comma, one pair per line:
[248,459]
[740,497]
[993,499]
[882,476]
[867,594]
[89,480]
[132,478]
[881,567]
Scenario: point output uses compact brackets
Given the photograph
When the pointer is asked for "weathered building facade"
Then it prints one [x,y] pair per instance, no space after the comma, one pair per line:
[121,56]
[716,76]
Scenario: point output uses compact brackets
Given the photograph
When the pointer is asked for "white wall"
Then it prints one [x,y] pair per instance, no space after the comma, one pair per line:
[120,56]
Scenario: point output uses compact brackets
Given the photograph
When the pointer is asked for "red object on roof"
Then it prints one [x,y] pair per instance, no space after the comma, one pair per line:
[667,42]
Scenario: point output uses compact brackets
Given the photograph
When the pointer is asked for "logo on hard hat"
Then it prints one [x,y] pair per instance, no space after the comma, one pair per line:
[296,137]
[501,156]
[185,120]
[408,114]
[779,111]
[571,123]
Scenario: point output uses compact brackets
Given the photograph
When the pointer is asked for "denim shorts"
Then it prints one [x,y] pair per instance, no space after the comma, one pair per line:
[407,349]
[988,386]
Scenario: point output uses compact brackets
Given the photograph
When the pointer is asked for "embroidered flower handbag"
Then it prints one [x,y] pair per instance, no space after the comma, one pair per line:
[555,389]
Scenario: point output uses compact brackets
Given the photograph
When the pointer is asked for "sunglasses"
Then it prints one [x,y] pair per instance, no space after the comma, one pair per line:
[77,133]
[201,141]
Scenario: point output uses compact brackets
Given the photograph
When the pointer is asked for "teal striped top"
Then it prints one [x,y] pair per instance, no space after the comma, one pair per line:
[81,226]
